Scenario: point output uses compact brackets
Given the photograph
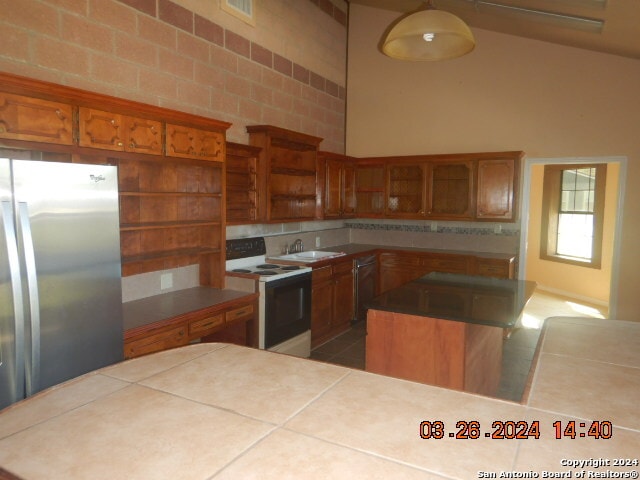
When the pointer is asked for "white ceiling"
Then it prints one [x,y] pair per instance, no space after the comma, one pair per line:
[619,35]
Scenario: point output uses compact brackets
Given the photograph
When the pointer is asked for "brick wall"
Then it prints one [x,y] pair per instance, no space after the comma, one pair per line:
[289,70]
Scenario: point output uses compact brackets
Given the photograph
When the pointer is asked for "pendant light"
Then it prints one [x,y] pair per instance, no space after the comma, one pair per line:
[428,35]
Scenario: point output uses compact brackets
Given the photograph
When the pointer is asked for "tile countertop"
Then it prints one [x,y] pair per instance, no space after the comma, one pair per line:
[225,412]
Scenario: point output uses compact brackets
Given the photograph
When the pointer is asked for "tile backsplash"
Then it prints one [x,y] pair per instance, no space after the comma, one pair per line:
[465,236]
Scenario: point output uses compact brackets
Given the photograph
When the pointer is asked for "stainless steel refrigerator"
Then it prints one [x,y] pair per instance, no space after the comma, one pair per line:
[60,287]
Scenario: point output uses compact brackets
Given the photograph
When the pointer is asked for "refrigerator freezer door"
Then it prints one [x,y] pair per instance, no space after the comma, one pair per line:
[11,307]
[73,223]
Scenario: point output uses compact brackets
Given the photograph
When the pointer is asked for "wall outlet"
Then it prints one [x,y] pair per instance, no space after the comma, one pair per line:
[317,242]
[497,229]
[166,281]
[434,226]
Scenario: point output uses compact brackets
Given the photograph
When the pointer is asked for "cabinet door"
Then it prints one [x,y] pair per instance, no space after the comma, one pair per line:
[348,190]
[369,196]
[142,135]
[333,189]
[99,129]
[188,142]
[343,295]
[406,190]
[35,120]
[496,181]
[450,190]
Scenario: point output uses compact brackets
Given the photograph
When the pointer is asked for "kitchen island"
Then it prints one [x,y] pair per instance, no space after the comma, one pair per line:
[226,412]
[446,330]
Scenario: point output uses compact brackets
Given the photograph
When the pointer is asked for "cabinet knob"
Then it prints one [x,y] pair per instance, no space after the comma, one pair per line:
[132,144]
[120,144]
[60,114]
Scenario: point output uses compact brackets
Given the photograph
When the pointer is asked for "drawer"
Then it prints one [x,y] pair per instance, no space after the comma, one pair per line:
[204,326]
[238,313]
[494,268]
[321,275]
[156,342]
[398,259]
[445,265]
[342,267]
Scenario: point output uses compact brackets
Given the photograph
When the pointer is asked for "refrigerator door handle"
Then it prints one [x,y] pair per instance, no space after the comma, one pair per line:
[33,368]
[16,288]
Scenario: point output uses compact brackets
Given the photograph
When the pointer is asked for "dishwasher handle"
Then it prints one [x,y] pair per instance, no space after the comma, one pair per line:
[365,261]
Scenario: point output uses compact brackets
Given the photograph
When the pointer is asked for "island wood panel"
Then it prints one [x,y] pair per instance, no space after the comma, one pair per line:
[483,359]
[421,349]
[446,353]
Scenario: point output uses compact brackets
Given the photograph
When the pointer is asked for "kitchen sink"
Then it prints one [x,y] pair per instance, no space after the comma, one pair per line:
[309,256]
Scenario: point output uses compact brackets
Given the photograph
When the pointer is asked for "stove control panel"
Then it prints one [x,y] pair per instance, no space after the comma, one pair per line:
[245,247]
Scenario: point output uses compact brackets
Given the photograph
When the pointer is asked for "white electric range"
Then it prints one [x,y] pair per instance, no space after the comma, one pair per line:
[284,313]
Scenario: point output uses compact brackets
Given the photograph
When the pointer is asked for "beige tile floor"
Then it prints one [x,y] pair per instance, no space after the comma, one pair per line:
[348,349]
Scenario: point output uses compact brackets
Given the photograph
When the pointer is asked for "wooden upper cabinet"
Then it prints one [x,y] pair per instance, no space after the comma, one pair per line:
[189,142]
[35,120]
[242,183]
[348,190]
[339,185]
[406,190]
[112,131]
[450,190]
[369,189]
[142,135]
[469,186]
[497,189]
[287,173]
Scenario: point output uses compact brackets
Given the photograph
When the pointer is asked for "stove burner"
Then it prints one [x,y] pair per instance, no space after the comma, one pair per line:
[267,272]
[267,265]
[241,270]
[290,267]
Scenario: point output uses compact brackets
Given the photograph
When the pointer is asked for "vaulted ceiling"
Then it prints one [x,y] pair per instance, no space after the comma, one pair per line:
[609,26]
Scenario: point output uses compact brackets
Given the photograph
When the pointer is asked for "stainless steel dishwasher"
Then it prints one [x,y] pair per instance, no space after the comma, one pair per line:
[366,273]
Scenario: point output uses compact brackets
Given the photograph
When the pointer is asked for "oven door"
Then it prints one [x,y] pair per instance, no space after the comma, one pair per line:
[287,308]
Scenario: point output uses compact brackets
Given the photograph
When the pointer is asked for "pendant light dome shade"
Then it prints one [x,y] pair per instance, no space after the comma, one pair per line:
[429,35]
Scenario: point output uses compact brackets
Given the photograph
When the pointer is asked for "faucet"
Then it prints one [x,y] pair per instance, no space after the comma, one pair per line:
[296,247]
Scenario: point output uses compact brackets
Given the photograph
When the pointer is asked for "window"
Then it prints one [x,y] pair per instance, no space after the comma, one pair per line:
[572,214]
[242,9]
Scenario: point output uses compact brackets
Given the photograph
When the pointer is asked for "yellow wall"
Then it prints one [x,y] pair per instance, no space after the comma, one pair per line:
[588,283]
[510,93]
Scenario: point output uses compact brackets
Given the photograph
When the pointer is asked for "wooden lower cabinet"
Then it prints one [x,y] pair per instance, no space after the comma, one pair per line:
[332,301]
[400,267]
[446,353]
[233,324]
[397,268]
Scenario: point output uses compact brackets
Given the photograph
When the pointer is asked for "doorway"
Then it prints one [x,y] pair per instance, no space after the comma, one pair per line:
[595,286]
